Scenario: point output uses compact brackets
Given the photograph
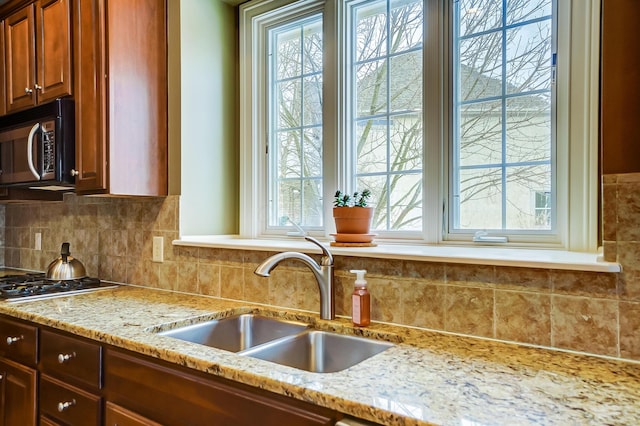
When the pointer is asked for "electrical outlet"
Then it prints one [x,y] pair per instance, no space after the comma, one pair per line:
[158,249]
[37,244]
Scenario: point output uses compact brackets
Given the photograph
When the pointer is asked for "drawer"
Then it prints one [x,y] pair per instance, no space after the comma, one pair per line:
[18,341]
[67,404]
[71,359]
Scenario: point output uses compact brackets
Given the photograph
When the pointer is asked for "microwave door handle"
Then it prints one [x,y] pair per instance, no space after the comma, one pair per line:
[32,134]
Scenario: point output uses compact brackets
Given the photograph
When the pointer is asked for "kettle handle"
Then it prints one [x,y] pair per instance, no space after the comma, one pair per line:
[64,252]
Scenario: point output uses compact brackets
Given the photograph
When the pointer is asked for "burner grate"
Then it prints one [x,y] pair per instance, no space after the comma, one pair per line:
[35,285]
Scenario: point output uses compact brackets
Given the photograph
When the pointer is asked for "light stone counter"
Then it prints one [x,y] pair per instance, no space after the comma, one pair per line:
[427,378]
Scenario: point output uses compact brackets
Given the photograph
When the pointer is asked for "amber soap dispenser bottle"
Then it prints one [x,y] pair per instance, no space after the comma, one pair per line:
[361,300]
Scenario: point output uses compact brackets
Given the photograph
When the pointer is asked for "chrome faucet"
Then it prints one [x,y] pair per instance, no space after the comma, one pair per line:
[323,273]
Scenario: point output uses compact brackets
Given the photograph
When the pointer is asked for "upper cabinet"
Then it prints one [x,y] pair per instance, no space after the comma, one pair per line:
[37,54]
[120,91]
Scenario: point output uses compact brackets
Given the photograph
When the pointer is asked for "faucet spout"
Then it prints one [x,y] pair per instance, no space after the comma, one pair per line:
[323,274]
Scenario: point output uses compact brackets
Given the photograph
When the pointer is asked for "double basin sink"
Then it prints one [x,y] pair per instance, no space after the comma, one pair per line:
[284,342]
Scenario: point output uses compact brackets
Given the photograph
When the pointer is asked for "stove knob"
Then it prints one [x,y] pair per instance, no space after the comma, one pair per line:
[12,340]
[62,358]
[62,406]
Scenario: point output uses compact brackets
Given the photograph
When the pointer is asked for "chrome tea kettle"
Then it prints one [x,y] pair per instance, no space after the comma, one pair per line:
[65,267]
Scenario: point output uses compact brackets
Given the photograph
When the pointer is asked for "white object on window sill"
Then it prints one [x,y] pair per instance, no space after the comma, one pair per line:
[497,256]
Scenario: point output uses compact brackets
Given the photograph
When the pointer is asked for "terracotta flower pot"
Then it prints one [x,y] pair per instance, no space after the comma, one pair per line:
[352,220]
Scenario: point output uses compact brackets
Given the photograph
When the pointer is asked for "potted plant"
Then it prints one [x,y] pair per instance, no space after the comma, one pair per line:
[351,213]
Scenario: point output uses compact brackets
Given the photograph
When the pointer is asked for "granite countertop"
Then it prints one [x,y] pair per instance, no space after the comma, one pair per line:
[426,378]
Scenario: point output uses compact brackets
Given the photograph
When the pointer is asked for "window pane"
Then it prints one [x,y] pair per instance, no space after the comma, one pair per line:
[295,123]
[386,141]
[502,147]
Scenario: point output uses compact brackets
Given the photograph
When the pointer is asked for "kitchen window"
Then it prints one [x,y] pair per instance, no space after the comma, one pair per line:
[461,116]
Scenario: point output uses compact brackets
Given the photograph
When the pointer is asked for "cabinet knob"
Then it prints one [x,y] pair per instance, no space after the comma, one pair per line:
[38,87]
[74,172]
[28,90]
[62,358]
[11,340]
[62,406]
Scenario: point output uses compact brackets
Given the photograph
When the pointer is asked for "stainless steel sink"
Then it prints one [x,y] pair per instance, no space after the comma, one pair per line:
[319,351]
[236,333]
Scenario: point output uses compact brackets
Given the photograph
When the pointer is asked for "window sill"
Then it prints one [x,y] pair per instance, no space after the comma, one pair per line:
[497,256]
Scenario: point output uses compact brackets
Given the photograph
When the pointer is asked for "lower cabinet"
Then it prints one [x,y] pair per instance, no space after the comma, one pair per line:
[48,377]
[171,395]
[68,404]
[115,415]
[17,393]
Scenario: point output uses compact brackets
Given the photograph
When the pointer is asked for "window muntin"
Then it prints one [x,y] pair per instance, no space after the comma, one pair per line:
[387,119]
[295,123]
[503,125]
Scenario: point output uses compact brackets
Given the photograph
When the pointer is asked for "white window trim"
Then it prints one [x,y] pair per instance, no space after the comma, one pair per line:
[577,122]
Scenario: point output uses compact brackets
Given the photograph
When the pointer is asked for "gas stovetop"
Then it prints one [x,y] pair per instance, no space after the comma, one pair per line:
[32,286]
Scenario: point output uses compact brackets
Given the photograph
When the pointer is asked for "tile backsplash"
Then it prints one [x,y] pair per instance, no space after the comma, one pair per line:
[597,313]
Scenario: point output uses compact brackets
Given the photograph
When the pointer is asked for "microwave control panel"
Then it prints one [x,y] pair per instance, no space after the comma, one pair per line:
[48,148]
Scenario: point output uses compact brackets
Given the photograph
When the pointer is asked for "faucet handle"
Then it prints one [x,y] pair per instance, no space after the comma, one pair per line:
[327,257]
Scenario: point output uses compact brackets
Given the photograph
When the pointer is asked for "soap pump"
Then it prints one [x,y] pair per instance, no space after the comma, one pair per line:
[361,300]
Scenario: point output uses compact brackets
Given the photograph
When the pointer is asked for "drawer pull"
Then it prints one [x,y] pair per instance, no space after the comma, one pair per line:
[62,406]
[62,358]
[12,340]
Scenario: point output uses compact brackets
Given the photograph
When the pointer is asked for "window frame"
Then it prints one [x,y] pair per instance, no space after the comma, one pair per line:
[577,97]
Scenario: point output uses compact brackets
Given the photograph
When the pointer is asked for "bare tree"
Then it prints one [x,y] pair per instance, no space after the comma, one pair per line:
[502,105]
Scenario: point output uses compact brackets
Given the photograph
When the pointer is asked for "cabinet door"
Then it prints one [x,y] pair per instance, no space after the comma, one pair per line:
[53,45]
[119,416]
[165,394]
[18,394]
[20,56]
[90,96]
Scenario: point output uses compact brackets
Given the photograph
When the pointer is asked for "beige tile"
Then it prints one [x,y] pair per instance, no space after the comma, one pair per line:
[609,212]
[343,290]
[284,289]
[594,284]
[168,275]
[386,300]
[309,293]
[630,330]
[523,279]
[256,289]
[628,208]
[423,304]
[167,216]
[187,277]
[208,279]
[629,282]
[432,271]
[523,317]
[608,179]
[469,310]
[629,255]
[610,251]
[231,282]
[584,324]
[468,274]
[383,267]
[628,178]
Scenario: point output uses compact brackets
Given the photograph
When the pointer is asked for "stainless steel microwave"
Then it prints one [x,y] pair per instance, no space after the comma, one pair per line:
[37,146]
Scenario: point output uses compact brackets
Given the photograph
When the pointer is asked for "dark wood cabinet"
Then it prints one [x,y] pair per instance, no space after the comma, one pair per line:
[70,379]
[120,91]
[166,393]
[17,393]
[116,415]
[18,358]
[37,54]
